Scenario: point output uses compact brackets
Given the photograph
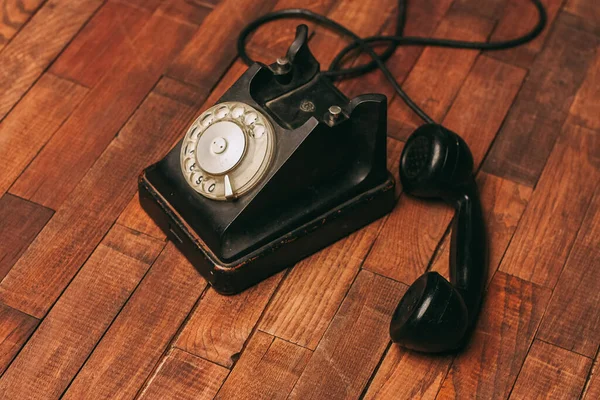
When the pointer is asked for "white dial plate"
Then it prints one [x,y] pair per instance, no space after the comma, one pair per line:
[227,150]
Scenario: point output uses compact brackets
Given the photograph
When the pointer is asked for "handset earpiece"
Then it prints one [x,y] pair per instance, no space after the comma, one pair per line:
[435,315]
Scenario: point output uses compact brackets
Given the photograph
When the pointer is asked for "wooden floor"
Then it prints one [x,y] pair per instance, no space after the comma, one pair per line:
[95,303]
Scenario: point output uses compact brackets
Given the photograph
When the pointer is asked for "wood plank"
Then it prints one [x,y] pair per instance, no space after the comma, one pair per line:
[268,369]
[406,374]
[492,9]
[551,372]
[181,375]
[413,230]
[180,92]
[57,253]
[73,149]
[37,44]
[134,217]
[503,203]
[138,337]
[104,39]
[572,320]
[220,325]
[583,14]
[520,17]
[76,323]
[584,110]
[32,123]
[13,15]
[438,74]
[422,19]
[15,329]
[365,18]
[489,365]
[592,390]
[146,5]
[354,342]
[184,11]
[314,289]
[212,49]
[21,222]
[549,226]
[272,41]
[206,3]
[534,122]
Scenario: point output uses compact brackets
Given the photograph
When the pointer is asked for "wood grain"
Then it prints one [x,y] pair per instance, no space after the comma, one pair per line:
[414,228]
[552,373]
[314,289]
[219,327]
[21,221]
[13,15]
[592,390]
[582,14]
[489,365]
[492,9]
[134,343]
[584,110]
[541,244]
[364,18]
[518,18]
[272,41]
[268,369]
[76,323]
[439,73]
[180,92]
[37,44]
[181,375]
[15,329]
[539,111]
[25,131]
[503,203]
[212,48]
[134,217]
[58,168]
[422,19]
[354,342]
[100,44]
[572,320]
[405,374]
[185,11]
[58,252]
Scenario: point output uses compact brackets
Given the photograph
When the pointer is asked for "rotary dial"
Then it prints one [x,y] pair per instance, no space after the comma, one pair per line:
[227,150]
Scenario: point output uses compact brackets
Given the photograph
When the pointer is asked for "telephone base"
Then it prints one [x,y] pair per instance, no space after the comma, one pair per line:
[280,253]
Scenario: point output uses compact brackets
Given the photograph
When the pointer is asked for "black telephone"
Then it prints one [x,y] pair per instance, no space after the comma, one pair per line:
[285,164]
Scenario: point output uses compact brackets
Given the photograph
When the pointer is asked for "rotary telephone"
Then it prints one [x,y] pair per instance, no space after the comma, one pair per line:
[285,164]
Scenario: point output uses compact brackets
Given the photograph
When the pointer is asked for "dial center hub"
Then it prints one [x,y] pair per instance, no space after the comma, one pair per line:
[218,145]
[221,147]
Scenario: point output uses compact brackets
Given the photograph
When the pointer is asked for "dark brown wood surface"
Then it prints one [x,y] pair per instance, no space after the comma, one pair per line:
[95,303]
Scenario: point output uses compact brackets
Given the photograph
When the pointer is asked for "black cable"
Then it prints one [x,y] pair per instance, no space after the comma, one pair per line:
[365,45]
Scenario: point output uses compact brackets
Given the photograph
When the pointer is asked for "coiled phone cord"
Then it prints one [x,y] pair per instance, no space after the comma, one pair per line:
[366,45]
